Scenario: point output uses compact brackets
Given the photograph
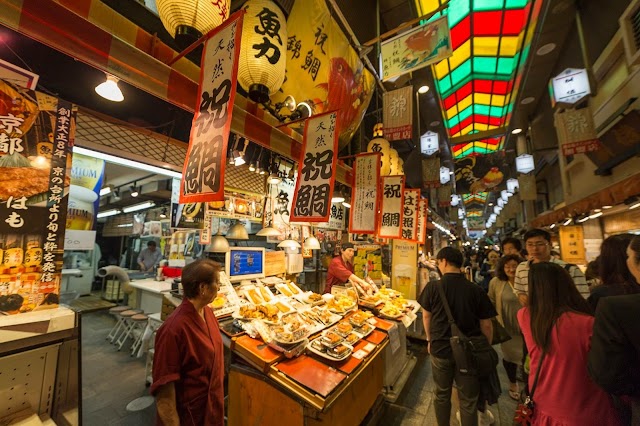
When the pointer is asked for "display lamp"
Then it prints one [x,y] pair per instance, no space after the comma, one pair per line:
[262,62]
[110,90]
[188,20]
[238,232]
[445,176]
[512,185]
[525,163]
[312,243]
[423,89]
[252,167]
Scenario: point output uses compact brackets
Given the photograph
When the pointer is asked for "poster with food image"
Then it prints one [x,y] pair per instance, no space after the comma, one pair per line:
[36,136]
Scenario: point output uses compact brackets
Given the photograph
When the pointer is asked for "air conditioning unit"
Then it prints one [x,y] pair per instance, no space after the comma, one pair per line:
[630,26]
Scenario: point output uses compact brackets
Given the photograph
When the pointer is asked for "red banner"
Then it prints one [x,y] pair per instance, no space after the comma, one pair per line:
[366,195]
[317,169]
[203,173]
[391,207]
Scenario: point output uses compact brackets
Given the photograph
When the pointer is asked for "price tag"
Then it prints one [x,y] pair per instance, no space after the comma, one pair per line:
[408,319]
[369,347]
[360,354]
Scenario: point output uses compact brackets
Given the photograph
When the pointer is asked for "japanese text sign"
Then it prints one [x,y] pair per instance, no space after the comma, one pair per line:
[336,220]
[415,49]
[203,173]
[410,204]
[398,113]
[576,131]
[570,86]
[423,205]
[366,194]
[316,171]
[391,209]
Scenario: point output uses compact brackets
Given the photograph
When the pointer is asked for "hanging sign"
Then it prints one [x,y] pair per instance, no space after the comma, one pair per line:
[366,196]
[423,205]
[336,219]
[415,49]
[203,173]
[278,205]
[572,244]
[576,131]
[391,209]
[316,169]
[34,170]
[397,114]
[410,204]
[570,86]
[429,143]
[430,172]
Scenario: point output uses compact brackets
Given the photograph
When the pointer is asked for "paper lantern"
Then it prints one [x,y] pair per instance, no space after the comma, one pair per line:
[445,177]
[455,199]
[429,143]
[525,163]
[263,54]
[512,185]
[382,146]
[500,202]
[188,20]
[497,209]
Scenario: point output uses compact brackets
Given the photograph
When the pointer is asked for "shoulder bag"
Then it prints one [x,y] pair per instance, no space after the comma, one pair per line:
[473,356]
[524,411]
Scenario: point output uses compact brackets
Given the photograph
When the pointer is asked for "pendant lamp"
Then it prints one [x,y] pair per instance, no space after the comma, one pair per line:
[238,232]
[262,62]
[188,20]
[110,90]
[269,231]
[219,244]
[288,243]
[312,243]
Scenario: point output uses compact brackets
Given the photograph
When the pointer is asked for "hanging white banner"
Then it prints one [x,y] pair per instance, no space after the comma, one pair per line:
[391,210]
[366,196]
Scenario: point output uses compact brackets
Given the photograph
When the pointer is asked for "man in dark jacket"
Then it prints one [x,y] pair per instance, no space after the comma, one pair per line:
[472,311]
[614,358]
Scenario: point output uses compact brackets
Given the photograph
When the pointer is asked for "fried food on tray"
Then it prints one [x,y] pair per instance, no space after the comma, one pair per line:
[344,327]
[360,317]
[331,338]
[267,312]
[390,310]
[218,302]
[282,307]
[293,288]
[285,290]
[314,297]
[266,294]
[352,338]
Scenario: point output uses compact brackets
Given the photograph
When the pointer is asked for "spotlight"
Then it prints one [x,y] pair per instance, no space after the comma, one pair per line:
[582,218]
[553,225]
[115,195]
[134,191]
[632,202]
[423,89]
[252,167]
[110,90]
[163,213]
[516,131]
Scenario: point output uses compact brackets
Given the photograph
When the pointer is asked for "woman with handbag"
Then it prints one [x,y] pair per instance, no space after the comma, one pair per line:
[557,327]
[507,305]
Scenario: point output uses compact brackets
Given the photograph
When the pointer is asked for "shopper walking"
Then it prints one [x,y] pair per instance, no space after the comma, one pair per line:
[557,327]
[614,359]
[472,311]
[614,273]
[507,305]
[188,365]
[488,268]
[511,245]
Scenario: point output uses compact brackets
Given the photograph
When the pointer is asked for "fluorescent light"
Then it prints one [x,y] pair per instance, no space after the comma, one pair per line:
[108,213]
[105,190]
[109,89]
[553,225]
[125,162]
[140,206]
[634,206]
[125,225]
[595,215]
[337,199]
[516,131]
[568,221]
[607,207]
[583,219]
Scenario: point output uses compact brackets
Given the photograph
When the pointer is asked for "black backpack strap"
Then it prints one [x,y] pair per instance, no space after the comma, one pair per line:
[455,330]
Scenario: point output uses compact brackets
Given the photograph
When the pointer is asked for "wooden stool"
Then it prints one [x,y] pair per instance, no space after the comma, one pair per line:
[129,324]
[115,311]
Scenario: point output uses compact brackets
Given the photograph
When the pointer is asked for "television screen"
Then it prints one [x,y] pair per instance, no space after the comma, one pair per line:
[245,262]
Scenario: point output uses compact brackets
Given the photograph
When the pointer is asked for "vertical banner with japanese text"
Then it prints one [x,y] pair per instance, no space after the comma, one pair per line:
[36,136]
[203,173]
[316,170]
[410,204]
[366,194]
[397,114]
[423,204]
[391,207]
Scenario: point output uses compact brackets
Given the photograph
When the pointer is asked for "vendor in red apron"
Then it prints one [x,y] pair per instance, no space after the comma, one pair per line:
[341,271]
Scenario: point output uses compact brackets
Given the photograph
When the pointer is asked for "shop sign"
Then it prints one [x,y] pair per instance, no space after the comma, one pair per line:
[18,76]
[425,45]
[316,169]
[429,143]
[482,173]
[423,205]
[572,244]
[188,215]
[33,199]
[336,220]
[391,209]
[366,196]
[397,114]
[205,232]
[281,198]
[410,204]
[570,86]
[203,173]
[431,172]
[576,131]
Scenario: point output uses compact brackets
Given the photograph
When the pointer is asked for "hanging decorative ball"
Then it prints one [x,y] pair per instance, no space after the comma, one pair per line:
[262,64]
[188,20]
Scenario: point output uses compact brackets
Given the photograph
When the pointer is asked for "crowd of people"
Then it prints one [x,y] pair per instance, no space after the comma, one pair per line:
[574,340]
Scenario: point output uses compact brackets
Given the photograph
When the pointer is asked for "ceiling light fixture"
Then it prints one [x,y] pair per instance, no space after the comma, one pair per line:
[140,206]
[527,100]
[423,89]
[252,166]
[290,244]
[134,191]
[635,205]
[311,243]
[105,190]
[553,225]
[568,221]
[108,213]
[163,213]
[273,179]
[516,131]
[607,207]
[115,196]
[434,123]
[337,197]
[582,218]
[109,89]
[546,49]
[125,162]
[238,232]
[595,215]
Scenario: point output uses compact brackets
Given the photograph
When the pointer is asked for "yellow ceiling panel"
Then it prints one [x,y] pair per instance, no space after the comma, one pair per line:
[467,130]
[485,46]
[452,112]
[460,55]
[509,46]
[426,6]
[442,69]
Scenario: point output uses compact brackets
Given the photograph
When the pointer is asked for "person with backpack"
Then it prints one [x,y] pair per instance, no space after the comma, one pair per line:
[472,311]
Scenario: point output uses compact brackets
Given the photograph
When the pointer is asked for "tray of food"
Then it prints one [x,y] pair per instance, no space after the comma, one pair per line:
[310,298]
[341,304]
[343,328]
[364,331]
[352,338]
[335,353]
[256,294]
[289,334]
[358,318]
[330,339]
[268,313]
[288,289]
[390,311]
[323,316]
[370,302]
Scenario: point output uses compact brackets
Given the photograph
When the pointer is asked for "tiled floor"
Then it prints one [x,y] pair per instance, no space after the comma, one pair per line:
[112,379]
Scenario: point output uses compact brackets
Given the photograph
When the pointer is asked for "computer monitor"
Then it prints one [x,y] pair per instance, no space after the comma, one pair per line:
[244,263]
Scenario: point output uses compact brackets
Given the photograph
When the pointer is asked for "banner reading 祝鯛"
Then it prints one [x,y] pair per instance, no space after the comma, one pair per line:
[203,173]
[316,170]
[391,207]
[366,195]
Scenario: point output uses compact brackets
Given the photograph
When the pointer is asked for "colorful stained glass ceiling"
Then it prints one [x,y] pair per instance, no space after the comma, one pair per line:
[478,83]
[476,201]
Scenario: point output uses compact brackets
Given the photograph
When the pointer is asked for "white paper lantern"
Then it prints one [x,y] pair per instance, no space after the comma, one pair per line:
[504,194]
[512,185]
[493,217]
[429,143]
[188,20]
[497,209]
[525,163]
[445,177]
[460,214]
[500,202]
[455,199]
[263,52]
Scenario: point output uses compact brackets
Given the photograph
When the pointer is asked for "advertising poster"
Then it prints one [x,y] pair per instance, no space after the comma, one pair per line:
[189,215]
[364,204]
[391,207]
[404,261]
[203,172]
[397,114]
[316,171]
[572,244]
[410,204]
[323,70]
[36,136]
[482,173]
[424,45]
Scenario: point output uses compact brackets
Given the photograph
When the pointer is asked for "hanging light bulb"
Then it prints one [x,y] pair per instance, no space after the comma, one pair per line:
[290,244]
[337,197]
[110,90]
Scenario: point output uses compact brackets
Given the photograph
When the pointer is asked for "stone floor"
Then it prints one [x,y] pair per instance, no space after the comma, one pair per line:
[112,379]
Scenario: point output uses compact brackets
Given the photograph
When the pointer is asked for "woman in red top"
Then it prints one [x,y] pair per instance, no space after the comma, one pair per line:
[188,365]
[558,322]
